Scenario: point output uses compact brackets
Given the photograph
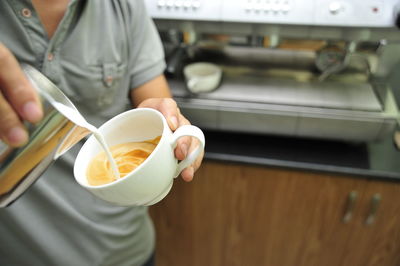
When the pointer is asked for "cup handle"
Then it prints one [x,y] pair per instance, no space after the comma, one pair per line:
[190,131]
[192,83]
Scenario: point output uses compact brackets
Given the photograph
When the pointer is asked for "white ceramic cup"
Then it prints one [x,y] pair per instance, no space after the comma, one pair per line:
[202,77]
[151,181]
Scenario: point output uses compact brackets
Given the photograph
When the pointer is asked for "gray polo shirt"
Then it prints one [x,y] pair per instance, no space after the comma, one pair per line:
[101,49]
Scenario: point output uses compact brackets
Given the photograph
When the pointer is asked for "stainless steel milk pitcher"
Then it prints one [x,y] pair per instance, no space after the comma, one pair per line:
[48,139]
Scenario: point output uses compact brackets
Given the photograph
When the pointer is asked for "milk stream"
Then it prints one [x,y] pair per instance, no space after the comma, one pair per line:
[103,143]
[74,115]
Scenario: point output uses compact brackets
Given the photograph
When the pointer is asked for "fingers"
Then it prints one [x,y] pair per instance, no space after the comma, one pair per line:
[11,129]
[175,119]
[184,143]
[17,89]
[188,173]
[167,107]
[17,99]
[185,146]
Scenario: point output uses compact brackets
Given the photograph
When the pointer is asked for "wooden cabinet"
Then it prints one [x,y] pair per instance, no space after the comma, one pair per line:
[248,215]
[377,243]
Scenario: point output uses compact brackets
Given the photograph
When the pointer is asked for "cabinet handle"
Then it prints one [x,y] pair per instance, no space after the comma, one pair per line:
[351,203]
[375,201]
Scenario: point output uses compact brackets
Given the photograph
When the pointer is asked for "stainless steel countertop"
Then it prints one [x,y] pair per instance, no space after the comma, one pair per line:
[289,87]
[378,160]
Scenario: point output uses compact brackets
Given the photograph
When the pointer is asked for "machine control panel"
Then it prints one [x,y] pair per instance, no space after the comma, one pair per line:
[268,6]
[180,4]
[185,9]
[356,13]
[268,11]
[345,13]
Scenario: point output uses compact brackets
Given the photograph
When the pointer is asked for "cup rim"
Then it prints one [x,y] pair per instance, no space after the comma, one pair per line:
[113,183]
[189,68]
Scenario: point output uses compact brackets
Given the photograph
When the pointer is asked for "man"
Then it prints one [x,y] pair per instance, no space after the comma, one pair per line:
[105,55]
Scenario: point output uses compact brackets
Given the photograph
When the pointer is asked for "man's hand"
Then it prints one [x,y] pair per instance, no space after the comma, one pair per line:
[18,99]
[175,119]
[157,95]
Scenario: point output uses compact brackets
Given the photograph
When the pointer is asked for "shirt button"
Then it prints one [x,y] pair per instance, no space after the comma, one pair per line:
[50,56]
[26,12]
[109,80]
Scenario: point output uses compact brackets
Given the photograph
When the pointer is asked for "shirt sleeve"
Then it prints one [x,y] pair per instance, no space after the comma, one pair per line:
[146,51]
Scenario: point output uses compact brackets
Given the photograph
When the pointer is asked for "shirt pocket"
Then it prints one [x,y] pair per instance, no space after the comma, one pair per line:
[96,85]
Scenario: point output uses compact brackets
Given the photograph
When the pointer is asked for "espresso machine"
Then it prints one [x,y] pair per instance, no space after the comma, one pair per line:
[315,68]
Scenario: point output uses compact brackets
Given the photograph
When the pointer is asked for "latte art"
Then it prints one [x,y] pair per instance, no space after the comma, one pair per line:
[128,156]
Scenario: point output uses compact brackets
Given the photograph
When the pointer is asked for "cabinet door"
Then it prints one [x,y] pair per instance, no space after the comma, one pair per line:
[375,238]
[246,215]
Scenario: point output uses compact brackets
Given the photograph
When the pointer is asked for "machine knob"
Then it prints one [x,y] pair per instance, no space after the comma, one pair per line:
[178,4]
[170,4]
[161,3]
[187,5]
[335,8]
[196,5]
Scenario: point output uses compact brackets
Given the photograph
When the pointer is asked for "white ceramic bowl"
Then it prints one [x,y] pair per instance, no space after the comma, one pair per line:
[202,77]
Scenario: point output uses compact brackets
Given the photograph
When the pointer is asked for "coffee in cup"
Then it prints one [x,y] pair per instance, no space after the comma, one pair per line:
[128,156]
